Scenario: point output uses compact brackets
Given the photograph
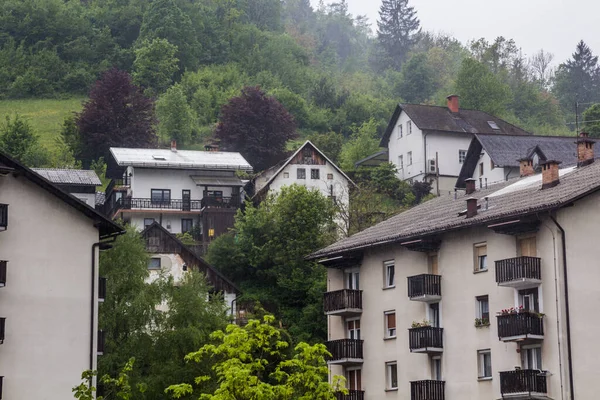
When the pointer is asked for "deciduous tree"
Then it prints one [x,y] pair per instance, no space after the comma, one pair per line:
[480,89]
[418,80]
[362,143]
[18,140]
[176,119]
[591,120]
[154,66]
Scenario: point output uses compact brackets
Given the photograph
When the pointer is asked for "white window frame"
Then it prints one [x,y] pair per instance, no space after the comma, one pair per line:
[400,162]
[477,261]
[409,158]
[525,356]
[151,267]
[435,361]
[479,307]
[389,372]
[389,282]
[408,127]
[390,333]
[482,374]
[352,275]
[358,382]
[462,156]
[355,330]
[399,131]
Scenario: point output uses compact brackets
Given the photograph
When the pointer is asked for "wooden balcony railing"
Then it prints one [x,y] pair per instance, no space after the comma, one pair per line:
[3,217]
[520,324]
[424,285]
[345,349]
[426,337]
[2,329]
[101,289]
[352,395]
[427,390]
[519,268]
[342,300]
[522,381]
[101,342]
[3,273]
[221,202]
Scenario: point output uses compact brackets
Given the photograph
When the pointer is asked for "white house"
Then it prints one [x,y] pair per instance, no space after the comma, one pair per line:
[49,285]
[180,189]
[81,183]
[430,143]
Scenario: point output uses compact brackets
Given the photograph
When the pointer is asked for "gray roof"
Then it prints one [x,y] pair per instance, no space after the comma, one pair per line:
[70,176]
[373,160]
[519,197]
[180,159]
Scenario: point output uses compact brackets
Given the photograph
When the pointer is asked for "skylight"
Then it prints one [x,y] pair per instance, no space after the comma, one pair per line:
[158,157]
[493,125]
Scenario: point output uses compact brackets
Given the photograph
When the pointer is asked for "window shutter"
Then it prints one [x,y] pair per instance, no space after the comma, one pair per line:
[391,320]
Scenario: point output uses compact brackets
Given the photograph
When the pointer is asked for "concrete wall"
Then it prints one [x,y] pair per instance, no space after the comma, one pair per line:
[47,297]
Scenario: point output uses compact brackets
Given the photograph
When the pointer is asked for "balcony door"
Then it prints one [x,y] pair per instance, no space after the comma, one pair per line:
[353,329]
[436,368]
[433,264]
[531,357]
[526,247]
[529,299]
[352,279]
[434,314]
[186,199]
[353,378]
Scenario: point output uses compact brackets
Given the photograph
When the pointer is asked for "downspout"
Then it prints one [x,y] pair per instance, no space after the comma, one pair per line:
[567,313]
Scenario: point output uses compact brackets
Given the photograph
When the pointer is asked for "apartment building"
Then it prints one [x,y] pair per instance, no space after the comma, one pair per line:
[430,143]
[490,294]
[49,285]
[180,189]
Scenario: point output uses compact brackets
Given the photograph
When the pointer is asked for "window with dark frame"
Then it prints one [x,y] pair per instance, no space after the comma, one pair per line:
[462,155]
[286,175]
[315,173]
[484,363]
[391,375]
[154,263]
[480,169]
[390,324]
[408,127]
[301,173]
[187,224]
[160,196]
[483,309]
[480,250]
[148,222]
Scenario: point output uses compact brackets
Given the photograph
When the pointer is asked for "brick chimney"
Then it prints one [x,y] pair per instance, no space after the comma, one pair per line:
[585,150]
[174,145]
[550,174]
[453,103]
[526,167]
[469,185]
[471,207]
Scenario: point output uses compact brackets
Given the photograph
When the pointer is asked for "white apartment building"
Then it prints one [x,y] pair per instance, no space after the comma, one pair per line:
[430,143]
[81,183]
[179,189]
[49,285]
[489,295]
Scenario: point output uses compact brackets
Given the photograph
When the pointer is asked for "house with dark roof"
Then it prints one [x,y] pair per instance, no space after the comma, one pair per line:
[490,293]
[49,285]
[495,158]
[81,183]
[429,143]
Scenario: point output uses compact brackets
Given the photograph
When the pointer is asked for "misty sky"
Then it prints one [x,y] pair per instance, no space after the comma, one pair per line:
[554,25]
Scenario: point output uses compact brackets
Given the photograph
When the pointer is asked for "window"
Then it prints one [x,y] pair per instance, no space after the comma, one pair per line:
[531,357]
[492,166]
[352,279]
[400,162]
[434,314]
[315,174]
[154,263]
[484,364]
[353,327]
[353,379]
[409,158]
[215,194]
[148,222]
[286,175]
[529,299]
[436,368]
[186,225]
[390,324]
[408,127]
[301,173]
[399,131]
[389,272]
[462,155]
[480,169]
[160,196]
[480,257]
[391,374]
[493,125]
[483,310]
[330,178]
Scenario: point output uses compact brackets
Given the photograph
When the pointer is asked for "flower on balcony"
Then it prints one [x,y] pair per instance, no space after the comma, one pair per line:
[422,324]
[512,310]
[480,322]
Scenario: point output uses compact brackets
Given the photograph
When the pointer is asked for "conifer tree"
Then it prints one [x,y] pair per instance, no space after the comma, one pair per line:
[396,31]
[578,79]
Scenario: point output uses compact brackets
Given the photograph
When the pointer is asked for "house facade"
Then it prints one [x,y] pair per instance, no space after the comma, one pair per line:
[49,285]
[483,296]
[430,143]
[80,183]
[181,190]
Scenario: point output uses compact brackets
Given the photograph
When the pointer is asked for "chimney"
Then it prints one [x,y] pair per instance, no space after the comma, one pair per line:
[453,103]
[174,145]
[585,150]
[469,185]
[471,207]
[550,174]
[526,167]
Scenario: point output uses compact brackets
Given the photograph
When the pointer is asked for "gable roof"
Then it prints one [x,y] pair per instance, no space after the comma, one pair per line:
[507,200]
[373,160]
[284,164]
[213,276]
[440,119]
[105,226]
[83,177]
[506,150]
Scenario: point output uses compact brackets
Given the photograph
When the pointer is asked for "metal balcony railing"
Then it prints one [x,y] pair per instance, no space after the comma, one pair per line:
[352,395]
[343,349]
[518,269]
[424,285]
[427,390]
[426,337]
[520,324]
[523,381]
[344,299]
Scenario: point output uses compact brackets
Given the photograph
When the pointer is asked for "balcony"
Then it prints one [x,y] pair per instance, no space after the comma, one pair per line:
[426,339]
[346,302]
[345,351]
[427,390]
[2,329]
[3,273]
[352,395]
[523,384]
[132,203]
[220,202]
[520,326]
[101,289]
[425,287]
[519,272]
[3,217]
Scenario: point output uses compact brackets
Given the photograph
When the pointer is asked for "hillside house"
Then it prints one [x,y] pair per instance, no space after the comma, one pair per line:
[80,183]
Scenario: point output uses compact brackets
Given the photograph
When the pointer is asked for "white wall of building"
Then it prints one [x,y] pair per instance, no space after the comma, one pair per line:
[447,145]
[47,297]
[144,180]
[495,175]
[87,198]
[401,146]
[171,221]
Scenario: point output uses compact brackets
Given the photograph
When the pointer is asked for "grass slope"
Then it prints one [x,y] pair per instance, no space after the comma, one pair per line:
[45,115]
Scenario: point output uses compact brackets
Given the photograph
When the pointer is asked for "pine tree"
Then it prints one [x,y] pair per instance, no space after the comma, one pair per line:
[396,31]
[578,79]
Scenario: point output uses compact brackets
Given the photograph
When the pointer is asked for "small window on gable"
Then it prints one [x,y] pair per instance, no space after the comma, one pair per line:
[286,175]
[480,169]
[329,177]
[315,173]
[462,155]
[301,173]
[154,263]
[493,125]
[492,166]
[399,131]
[408,127]
[480,251]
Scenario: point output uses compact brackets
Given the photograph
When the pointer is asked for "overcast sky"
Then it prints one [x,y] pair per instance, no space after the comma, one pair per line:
[554,25]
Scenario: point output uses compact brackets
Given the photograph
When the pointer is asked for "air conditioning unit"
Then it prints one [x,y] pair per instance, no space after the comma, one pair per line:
[432,166]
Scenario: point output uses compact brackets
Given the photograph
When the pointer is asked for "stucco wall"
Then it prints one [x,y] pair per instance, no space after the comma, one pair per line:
[493,175]
[401,146]
[46,300]
[447,145]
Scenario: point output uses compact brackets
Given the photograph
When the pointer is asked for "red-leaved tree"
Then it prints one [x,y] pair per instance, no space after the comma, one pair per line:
[257,126]
[117,114]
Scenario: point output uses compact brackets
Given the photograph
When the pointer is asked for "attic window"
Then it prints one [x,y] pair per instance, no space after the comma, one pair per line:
[159,157]
[493,125]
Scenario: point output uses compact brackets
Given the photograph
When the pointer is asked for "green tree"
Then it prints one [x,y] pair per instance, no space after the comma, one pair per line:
[591,120]
[578,79]
[254,362]
[154,66]
[176,119]
[362,144]
[480,89]
[329,143]
[418,80]
[18,140]
[396,30]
